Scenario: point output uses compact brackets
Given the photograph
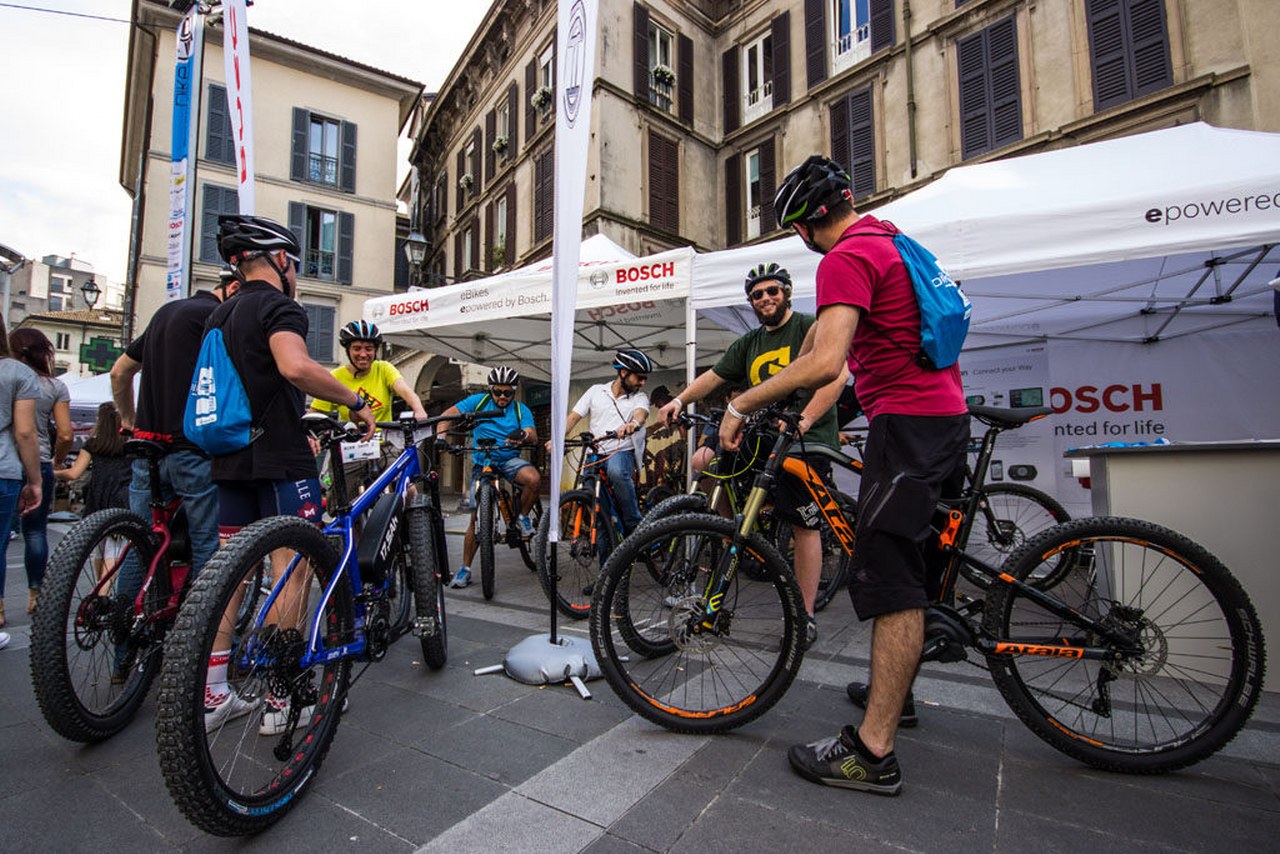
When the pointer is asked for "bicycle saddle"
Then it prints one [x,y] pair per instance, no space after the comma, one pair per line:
[145,448]
[822,451]
[994,416]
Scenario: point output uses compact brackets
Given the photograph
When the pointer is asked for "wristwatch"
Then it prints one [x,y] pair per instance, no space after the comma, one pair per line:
[361,403]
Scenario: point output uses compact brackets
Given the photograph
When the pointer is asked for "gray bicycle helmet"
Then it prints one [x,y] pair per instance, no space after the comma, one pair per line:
[239,235]
[810,190]
[359,330]
[502,375]
[633,361]
[765,273]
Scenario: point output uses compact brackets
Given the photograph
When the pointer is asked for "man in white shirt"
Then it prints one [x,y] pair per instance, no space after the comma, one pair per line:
[616,411]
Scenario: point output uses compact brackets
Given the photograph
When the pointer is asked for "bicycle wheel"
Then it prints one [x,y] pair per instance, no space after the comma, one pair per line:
[651,640]
[577,561]
[243,773]
[91,665]
[1008,516]
[486,533]
[428,588]
[656,495]
[685,502]
[526,550]
[1200,668]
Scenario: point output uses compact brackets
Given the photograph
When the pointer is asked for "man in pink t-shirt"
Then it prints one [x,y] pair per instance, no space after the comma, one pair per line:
[915,454]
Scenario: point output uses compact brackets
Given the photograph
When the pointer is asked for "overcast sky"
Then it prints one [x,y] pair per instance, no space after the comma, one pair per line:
[64,102]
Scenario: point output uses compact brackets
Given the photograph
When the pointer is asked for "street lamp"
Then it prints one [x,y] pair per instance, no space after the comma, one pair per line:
[415,249]
[91,292]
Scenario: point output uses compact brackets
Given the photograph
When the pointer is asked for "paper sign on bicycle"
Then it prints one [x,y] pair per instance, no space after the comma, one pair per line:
[353,452]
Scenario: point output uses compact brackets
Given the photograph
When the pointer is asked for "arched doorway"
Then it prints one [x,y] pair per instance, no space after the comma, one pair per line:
[439,385]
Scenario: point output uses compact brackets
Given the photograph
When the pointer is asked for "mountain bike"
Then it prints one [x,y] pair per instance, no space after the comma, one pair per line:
[497,511]
[290,663]
[1145,656]
[590,527]
[95,647]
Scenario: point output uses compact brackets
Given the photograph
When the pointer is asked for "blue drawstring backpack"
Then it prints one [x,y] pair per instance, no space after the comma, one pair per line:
[217,418]
[944,308]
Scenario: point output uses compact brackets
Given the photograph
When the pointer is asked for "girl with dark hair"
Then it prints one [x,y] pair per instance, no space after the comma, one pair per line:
[53,414]
[103,455]
[19,447]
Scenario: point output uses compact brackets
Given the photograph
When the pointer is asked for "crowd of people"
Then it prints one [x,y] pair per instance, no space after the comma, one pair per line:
[866,325]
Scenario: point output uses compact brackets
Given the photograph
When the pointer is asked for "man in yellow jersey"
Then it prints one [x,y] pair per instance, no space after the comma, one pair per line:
[375,381]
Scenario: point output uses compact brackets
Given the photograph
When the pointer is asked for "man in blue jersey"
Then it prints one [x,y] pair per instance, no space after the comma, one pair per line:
[515,420]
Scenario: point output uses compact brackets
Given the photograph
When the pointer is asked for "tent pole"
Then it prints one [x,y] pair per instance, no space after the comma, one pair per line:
[690,371]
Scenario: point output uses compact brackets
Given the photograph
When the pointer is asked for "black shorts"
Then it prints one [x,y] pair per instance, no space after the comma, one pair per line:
[910,461]
[792,501]
[244,502]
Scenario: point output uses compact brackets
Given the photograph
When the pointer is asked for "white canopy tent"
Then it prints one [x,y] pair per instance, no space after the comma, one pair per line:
[623,301]
[1146,237]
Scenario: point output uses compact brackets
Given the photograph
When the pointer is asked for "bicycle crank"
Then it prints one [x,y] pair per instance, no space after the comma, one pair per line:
[946,635]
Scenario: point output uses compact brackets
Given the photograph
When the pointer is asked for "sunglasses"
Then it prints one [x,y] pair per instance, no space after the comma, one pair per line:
[502,392]
[759,293]
[297,262]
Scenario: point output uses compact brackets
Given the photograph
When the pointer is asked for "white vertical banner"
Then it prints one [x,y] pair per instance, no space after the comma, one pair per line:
[577,23]
[235,57]
[182,145]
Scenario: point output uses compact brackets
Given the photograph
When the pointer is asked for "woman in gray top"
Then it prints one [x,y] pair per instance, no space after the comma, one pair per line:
[19,446]
[53,416]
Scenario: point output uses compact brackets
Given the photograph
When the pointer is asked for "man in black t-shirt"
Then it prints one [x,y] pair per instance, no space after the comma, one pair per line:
[265,331]
[752,359]
[168,348]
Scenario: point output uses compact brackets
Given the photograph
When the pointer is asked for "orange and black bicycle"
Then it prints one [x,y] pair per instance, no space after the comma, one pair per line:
[1144,656]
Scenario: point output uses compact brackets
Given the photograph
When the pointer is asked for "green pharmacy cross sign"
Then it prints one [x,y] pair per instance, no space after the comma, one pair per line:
[99,354]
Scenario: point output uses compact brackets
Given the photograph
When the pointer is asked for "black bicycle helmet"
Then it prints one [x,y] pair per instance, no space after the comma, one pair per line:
[502,375]
[239,234]
[359,330]
[810,190]
[768,272]
[633,361]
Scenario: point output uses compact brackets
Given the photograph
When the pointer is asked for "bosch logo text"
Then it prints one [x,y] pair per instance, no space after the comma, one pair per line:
[412,307]
[642,274]
[1113,398]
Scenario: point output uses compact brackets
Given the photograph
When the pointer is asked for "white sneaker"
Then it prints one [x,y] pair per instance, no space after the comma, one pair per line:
[219,710]
[526,526]
[462,579]
[4,639]
[276,719]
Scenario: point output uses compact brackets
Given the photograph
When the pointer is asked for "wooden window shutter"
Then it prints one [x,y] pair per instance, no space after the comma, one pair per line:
[346,247]
[489,237]
[881,24]
[215,200]
[457,255]
[733,200]
[1006,92]
[975,136]
[298,223]
[219,145]
[664,183]
[298,158]
[513,120]
[840,132]
[781,36]
[530,87]
[462,170]
[862,144]
[732,95]
[1111,84]
[477,139]
[815,41]
[544,195]
[509,248]
[640,51]
[347,166]
[475,244]
[1152,70]
[490,133]
[768,186]
[684,77]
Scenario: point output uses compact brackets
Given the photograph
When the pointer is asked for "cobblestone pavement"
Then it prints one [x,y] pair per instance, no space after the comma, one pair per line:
[450,761]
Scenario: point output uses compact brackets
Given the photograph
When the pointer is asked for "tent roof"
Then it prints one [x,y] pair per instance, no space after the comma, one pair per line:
[1148,236]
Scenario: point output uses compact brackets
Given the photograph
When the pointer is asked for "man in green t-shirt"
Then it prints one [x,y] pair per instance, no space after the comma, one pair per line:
[751,360]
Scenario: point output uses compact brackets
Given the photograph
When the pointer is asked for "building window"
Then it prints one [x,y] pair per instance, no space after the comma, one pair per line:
[219,140]
[990,89]
[752,178]
[324,151]
[544,192]
[851,32]
[757,78]
[440,198]
[853,142]
[62,340]
[328,242]
[662,74]
[215,202]
[499,248]
[547,69]
[320,331]
[502,139]
[1129,50]
[664,183]
[471,157]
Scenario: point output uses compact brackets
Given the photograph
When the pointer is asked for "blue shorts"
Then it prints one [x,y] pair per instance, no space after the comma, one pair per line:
[507,469]
[248,501]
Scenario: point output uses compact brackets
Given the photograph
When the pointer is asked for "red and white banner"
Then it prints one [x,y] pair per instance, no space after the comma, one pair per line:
[575,72]
[235,55]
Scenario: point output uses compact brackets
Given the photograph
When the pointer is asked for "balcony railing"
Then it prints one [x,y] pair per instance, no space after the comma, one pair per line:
[851,48]
[322,170]
[319,264]
[757,102]
[660,94]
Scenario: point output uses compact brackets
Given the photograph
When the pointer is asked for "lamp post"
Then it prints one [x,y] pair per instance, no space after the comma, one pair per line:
[91,292]
[415,249]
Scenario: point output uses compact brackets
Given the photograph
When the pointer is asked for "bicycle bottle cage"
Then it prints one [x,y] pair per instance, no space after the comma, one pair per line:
[380,540]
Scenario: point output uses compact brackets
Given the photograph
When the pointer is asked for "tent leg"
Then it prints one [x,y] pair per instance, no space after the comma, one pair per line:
[555,572]
[690,373]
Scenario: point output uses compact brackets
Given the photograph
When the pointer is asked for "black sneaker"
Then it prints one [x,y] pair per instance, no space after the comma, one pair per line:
[857,692]
[844,762]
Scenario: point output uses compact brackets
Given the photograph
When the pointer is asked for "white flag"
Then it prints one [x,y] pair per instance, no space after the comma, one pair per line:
[235,57]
